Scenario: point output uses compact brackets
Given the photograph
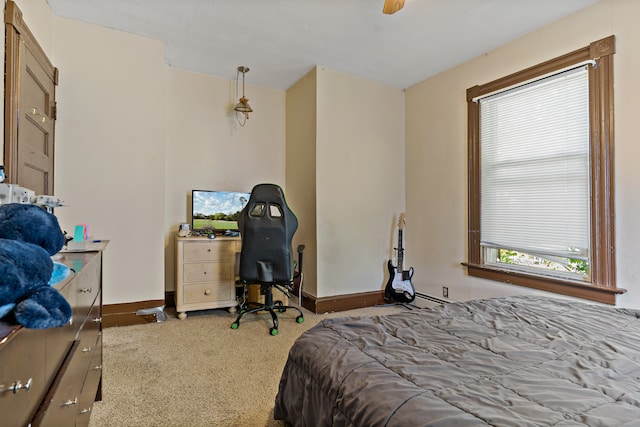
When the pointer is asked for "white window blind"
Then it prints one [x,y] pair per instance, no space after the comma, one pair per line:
[534,171]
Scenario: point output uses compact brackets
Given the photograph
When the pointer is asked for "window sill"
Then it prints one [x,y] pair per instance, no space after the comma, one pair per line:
[549,284]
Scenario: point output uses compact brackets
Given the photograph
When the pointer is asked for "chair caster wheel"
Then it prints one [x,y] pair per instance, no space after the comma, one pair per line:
[235,325]
[273,331]
[300,319]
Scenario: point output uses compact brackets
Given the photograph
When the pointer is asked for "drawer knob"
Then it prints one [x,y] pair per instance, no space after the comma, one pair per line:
[70,402]
[86,349]
[85,411]
[97,367]
[19,386]
[209,250]
[85,290]
[207,292]
[97,320]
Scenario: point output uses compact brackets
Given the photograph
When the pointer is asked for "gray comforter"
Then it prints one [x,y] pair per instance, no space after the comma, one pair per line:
[518,361]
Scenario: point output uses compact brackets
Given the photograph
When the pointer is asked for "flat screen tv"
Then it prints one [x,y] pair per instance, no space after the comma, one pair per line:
[216,212]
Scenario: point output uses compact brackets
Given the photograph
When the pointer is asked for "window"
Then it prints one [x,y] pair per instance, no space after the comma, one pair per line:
[534,174]
[541,176]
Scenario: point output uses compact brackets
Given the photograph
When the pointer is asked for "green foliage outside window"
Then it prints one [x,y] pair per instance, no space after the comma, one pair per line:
[572,265]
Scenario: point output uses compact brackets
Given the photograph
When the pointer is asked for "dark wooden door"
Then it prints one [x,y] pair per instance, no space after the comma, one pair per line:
[30,108]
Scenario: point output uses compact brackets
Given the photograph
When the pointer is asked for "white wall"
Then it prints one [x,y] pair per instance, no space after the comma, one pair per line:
[301,171]
[110,151]
[120,161]
[345,167]
[208,150]
[437,161]
[359,181]
[134,136]
[165,132]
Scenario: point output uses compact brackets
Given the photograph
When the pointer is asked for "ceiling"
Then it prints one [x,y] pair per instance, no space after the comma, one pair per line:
[281,40]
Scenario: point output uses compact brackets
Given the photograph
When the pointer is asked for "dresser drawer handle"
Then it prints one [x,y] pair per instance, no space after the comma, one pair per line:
[209,250]
[97,320]
[86,349]
[97,367]
[26,387]
[207,292]
[85,290]
[85,411]
[70,402]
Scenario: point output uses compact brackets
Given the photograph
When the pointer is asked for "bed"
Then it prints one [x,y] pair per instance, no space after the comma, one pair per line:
[512,361]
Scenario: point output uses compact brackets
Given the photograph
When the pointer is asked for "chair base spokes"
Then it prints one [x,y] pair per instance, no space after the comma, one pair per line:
[269,306]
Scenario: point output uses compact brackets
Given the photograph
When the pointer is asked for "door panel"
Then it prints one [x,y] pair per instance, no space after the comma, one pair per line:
[29,108]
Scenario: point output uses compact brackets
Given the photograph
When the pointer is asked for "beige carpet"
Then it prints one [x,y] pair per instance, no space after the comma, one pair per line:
[198,371]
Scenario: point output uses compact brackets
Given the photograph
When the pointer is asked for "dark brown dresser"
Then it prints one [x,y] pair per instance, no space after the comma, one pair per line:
[51,377]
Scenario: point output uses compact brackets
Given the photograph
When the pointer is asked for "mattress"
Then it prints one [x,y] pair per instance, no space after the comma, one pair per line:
[512,361]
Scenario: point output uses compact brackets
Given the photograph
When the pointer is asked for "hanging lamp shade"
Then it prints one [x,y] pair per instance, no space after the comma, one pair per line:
[242,106]
[392,6]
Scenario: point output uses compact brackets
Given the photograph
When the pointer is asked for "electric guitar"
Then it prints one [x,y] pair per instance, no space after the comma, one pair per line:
[399,287]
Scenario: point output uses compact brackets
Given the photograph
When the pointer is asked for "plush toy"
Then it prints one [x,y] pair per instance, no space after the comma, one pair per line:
[29,235]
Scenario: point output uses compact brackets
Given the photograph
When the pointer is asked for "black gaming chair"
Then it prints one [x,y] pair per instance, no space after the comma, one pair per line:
[267,226]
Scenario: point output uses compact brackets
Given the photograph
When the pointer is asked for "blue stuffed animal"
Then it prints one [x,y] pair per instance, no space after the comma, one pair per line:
[29,235]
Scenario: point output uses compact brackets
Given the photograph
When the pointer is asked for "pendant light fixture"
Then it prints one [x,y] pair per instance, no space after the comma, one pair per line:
[392,6]
[243,103]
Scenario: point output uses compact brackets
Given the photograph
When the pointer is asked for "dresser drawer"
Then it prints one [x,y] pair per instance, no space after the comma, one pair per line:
[22,376]
[88,363]
[59,340]
[223,250]
[66,405]
[61,408]
[207,272]
[89,338]
[207,293]
[89,389]
[86,290]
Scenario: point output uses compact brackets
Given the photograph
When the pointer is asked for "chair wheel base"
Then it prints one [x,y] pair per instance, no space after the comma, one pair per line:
[251,307]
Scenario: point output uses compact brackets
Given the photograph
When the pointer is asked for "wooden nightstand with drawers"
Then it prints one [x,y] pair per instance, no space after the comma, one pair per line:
[205,273]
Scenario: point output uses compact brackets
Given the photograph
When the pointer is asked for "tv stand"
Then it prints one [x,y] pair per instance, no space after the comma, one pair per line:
[205,273]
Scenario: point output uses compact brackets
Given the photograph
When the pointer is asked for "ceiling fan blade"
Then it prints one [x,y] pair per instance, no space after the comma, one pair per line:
[392,6]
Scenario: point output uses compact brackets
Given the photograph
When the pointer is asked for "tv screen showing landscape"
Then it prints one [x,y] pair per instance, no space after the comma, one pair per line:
[216,210]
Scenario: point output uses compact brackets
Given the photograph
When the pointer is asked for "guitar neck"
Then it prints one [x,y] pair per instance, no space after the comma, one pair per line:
[400,252]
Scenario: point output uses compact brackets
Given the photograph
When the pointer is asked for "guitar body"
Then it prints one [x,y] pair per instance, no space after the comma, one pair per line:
[399,287]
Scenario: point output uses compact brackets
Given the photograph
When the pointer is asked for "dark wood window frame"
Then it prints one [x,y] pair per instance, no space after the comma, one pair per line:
[602,286]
